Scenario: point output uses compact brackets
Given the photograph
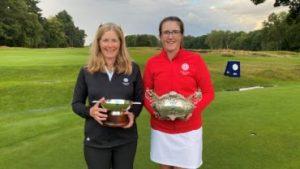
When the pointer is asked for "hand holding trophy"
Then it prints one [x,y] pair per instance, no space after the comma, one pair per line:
[117,112]
[172,105]
[98,113]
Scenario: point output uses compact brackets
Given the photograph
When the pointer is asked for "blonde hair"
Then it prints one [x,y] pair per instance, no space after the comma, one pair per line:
[96,61]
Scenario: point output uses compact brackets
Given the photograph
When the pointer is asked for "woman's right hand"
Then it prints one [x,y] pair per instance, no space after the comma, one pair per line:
[99,114]
[156,115]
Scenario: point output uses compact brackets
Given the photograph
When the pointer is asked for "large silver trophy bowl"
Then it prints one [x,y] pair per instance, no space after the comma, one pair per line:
[115,112]
[172,105]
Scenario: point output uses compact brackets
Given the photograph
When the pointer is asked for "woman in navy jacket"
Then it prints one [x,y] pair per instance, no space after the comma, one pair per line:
[109,74]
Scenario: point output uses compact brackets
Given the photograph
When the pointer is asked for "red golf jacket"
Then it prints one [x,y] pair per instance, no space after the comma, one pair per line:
[185,74]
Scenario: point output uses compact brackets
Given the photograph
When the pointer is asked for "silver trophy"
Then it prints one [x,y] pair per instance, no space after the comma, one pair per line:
[115,111]
[173,105]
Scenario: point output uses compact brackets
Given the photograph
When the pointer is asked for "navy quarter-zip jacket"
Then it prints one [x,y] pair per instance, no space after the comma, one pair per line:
[90,87]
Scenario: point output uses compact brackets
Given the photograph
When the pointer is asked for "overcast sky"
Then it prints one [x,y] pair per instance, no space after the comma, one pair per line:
[143,16]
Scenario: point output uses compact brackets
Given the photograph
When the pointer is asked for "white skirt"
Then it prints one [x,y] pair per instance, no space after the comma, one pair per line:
[180,150]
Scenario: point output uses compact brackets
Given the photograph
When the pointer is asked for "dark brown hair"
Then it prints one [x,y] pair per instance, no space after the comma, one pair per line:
[171,18]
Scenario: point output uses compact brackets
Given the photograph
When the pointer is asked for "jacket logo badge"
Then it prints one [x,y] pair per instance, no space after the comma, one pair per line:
[125,81]
[185,66]
[185,69]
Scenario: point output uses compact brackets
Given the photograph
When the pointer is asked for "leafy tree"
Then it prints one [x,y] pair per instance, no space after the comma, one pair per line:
[294,5]
[18,26]
[293,37]
[21,24]
[33,8]
[74,36]
[153,40]
[79,37]
[191,42]
[199,42]
[131,40]
[237,40]
[55,36]
[216,39]
[32,31]
[188,41]
[255,39]
[141,40]
[274,32]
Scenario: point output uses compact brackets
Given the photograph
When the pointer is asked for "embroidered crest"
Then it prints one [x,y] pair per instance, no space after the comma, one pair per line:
[185,69]
[185,66]
[125,81]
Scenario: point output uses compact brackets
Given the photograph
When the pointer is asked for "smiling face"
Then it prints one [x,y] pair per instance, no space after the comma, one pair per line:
[110,45]
[171,36]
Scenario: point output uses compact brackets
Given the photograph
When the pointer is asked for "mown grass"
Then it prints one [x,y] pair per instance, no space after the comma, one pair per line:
[252,129]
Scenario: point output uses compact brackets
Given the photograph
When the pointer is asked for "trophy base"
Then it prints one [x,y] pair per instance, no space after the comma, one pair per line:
[116,119]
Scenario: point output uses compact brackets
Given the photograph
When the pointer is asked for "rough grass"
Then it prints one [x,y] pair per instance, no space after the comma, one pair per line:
[252,129]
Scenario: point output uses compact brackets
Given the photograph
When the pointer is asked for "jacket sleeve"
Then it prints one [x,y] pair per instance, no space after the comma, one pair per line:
[205,85]
[148,85]
[80,95]
[138,91]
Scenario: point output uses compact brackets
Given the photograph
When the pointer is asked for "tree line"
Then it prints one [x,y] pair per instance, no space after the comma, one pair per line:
[279,32]
[22,25]
[141,40]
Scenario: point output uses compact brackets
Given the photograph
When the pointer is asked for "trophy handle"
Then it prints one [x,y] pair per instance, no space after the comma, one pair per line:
[150,95]
[196,97]
[127,109]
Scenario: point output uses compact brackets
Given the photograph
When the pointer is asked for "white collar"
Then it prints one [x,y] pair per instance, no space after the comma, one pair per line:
[109,73]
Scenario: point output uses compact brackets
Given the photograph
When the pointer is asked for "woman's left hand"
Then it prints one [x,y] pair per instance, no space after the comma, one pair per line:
[130,118]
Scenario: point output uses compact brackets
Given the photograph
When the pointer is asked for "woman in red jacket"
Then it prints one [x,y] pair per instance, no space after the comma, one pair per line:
[177,143]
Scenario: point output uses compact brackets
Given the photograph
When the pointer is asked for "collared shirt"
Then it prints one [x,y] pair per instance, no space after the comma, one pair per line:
[97,85]
[109,73]
[185,74]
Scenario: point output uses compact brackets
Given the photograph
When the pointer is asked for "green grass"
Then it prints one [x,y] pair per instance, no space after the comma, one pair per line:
[253,129]
[249,130]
